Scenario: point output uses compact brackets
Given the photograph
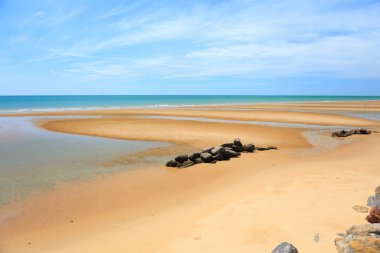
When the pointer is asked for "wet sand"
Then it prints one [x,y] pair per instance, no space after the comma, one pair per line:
[248,204]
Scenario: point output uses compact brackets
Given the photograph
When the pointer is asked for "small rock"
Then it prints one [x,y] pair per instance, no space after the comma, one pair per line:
[360,209]
[374,215]
[237,148]
[227,145]
[198,160]
[194,156]
[173,163]
[219,157]
[230,154]
[207,150]
[182,158]
[206,157]
[285,248]
[316,238]
[364,131]
[217,150]
[238,143]
[187,163]
[249,148]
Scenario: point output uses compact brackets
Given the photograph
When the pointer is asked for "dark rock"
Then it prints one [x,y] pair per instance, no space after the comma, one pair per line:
[217,150]
[346,133]
[219,157]
[249,148]
[198,160]
[207,157]
[187,163]
[359,239]
[207,150]
[285,248]
[182,158]
[364,131]
[237,148]
[173,163]
[227,145]
[238,143]
[230,154]
[194,156]
[374,215]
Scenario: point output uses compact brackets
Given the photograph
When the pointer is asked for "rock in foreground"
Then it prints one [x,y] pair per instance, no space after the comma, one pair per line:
[360,239]
[374,215]
[285,248]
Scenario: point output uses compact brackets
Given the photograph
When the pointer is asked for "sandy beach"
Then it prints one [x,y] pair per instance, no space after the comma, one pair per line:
[249,204]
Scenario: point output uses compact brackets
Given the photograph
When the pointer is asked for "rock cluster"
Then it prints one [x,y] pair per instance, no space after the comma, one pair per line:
[360,239]
[363,238]
[223,152]
[346,133]
[374,203]
[285,248]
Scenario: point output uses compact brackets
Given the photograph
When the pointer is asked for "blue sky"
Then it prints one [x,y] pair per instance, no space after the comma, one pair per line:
[327,47]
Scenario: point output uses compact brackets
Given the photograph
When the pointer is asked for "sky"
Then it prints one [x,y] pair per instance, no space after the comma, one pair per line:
[290,47]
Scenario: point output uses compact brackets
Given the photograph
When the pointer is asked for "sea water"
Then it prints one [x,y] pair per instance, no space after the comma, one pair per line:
[30,103]
[33,159]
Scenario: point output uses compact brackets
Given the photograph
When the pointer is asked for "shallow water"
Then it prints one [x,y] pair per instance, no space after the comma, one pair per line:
[33,159]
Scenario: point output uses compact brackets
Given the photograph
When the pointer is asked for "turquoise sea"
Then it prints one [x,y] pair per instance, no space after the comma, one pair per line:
[26,103]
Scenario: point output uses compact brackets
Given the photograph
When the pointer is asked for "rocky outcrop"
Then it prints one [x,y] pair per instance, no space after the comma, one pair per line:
[285,248]
[360,239]
[223,152]
[346,133]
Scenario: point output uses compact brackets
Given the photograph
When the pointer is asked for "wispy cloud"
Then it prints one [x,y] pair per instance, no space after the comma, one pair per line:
[165,40]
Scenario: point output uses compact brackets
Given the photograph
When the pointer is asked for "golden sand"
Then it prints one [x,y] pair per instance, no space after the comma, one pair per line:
[248,204]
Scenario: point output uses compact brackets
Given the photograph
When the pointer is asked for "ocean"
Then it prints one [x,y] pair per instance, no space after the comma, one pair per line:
[42,103]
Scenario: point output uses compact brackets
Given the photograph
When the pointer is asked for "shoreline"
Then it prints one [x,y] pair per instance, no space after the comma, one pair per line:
[29,111]
[247,202]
